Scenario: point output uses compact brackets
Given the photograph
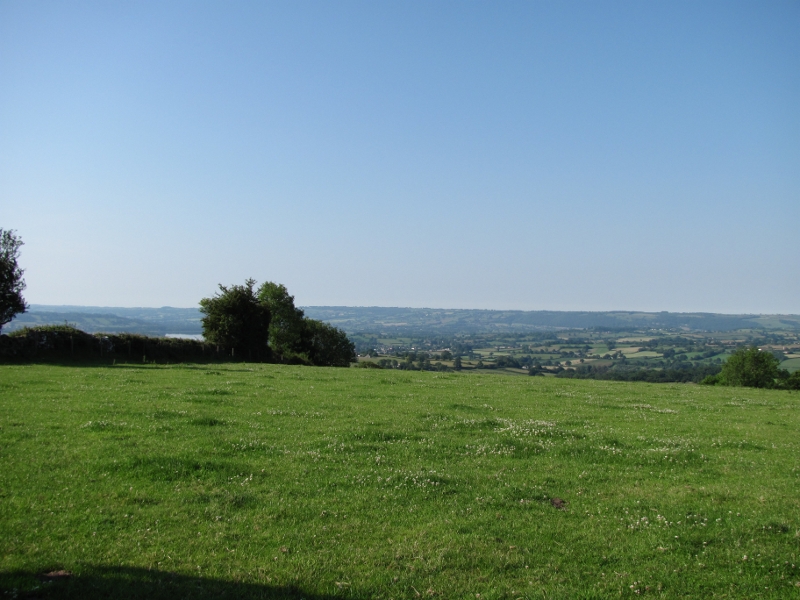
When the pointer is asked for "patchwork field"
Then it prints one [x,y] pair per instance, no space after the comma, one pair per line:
[675,355]
[251,481]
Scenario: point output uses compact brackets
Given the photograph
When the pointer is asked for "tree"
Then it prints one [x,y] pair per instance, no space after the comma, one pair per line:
[750,367]
[266,324]
[792,382]
[287,326]
[11,282]
[234,318]
[327,345]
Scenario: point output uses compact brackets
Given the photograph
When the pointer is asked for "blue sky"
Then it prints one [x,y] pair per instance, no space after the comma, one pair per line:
[508,155]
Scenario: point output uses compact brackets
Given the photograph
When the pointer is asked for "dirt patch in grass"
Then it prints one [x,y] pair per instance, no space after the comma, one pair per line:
[55,575]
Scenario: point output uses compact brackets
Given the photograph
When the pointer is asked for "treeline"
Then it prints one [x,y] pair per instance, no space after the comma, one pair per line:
[682,374]
[239,324]
[753,367]
[66,343]
[747,367]
[265,325]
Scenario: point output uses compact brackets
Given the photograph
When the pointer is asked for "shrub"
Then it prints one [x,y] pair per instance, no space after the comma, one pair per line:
[236,319]
[792,382]
[65,343]
[328,346]
[367,365]
[750,367]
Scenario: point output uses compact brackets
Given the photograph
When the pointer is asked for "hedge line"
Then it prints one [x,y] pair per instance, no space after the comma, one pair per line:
[65,343]
[683,374]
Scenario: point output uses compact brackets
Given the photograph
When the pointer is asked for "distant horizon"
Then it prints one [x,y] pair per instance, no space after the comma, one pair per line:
[437,308]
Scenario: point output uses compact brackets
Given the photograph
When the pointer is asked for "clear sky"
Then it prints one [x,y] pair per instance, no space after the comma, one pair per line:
[510,155]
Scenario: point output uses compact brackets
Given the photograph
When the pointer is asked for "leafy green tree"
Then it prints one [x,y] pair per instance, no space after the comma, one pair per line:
[266,324]
[792,382]
[11,282]
[750,367]
[327,345]
[234,318]
[287,329]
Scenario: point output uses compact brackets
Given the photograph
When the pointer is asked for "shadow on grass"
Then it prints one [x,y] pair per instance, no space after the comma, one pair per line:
[130,582]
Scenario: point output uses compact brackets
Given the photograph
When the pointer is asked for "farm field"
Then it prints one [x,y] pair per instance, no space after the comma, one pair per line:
[578,352]
[259,481]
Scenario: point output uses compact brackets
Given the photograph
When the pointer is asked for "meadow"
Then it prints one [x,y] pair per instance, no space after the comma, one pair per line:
[271,481]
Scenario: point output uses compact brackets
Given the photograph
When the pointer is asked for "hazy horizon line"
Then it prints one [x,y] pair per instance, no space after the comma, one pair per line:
[344,306]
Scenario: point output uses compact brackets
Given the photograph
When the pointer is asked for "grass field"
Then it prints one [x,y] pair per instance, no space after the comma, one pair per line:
[248,481]
[791,365]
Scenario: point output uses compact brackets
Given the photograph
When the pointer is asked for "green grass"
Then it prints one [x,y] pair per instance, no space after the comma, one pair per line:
[273,481]
[791,365]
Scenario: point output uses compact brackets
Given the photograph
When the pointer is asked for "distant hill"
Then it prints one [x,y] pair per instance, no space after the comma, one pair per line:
[400,321]
[113,319]
[409,320]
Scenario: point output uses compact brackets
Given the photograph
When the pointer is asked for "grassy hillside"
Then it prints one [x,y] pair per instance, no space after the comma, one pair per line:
[272,481]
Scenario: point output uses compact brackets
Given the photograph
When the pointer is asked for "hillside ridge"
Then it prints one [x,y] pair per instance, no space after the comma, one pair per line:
[353,319]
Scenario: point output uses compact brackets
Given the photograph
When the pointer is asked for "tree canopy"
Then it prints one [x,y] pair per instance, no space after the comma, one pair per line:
[234,318]
[267,325]
[11,282]
[287,327]
[751,367]
[328,345]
